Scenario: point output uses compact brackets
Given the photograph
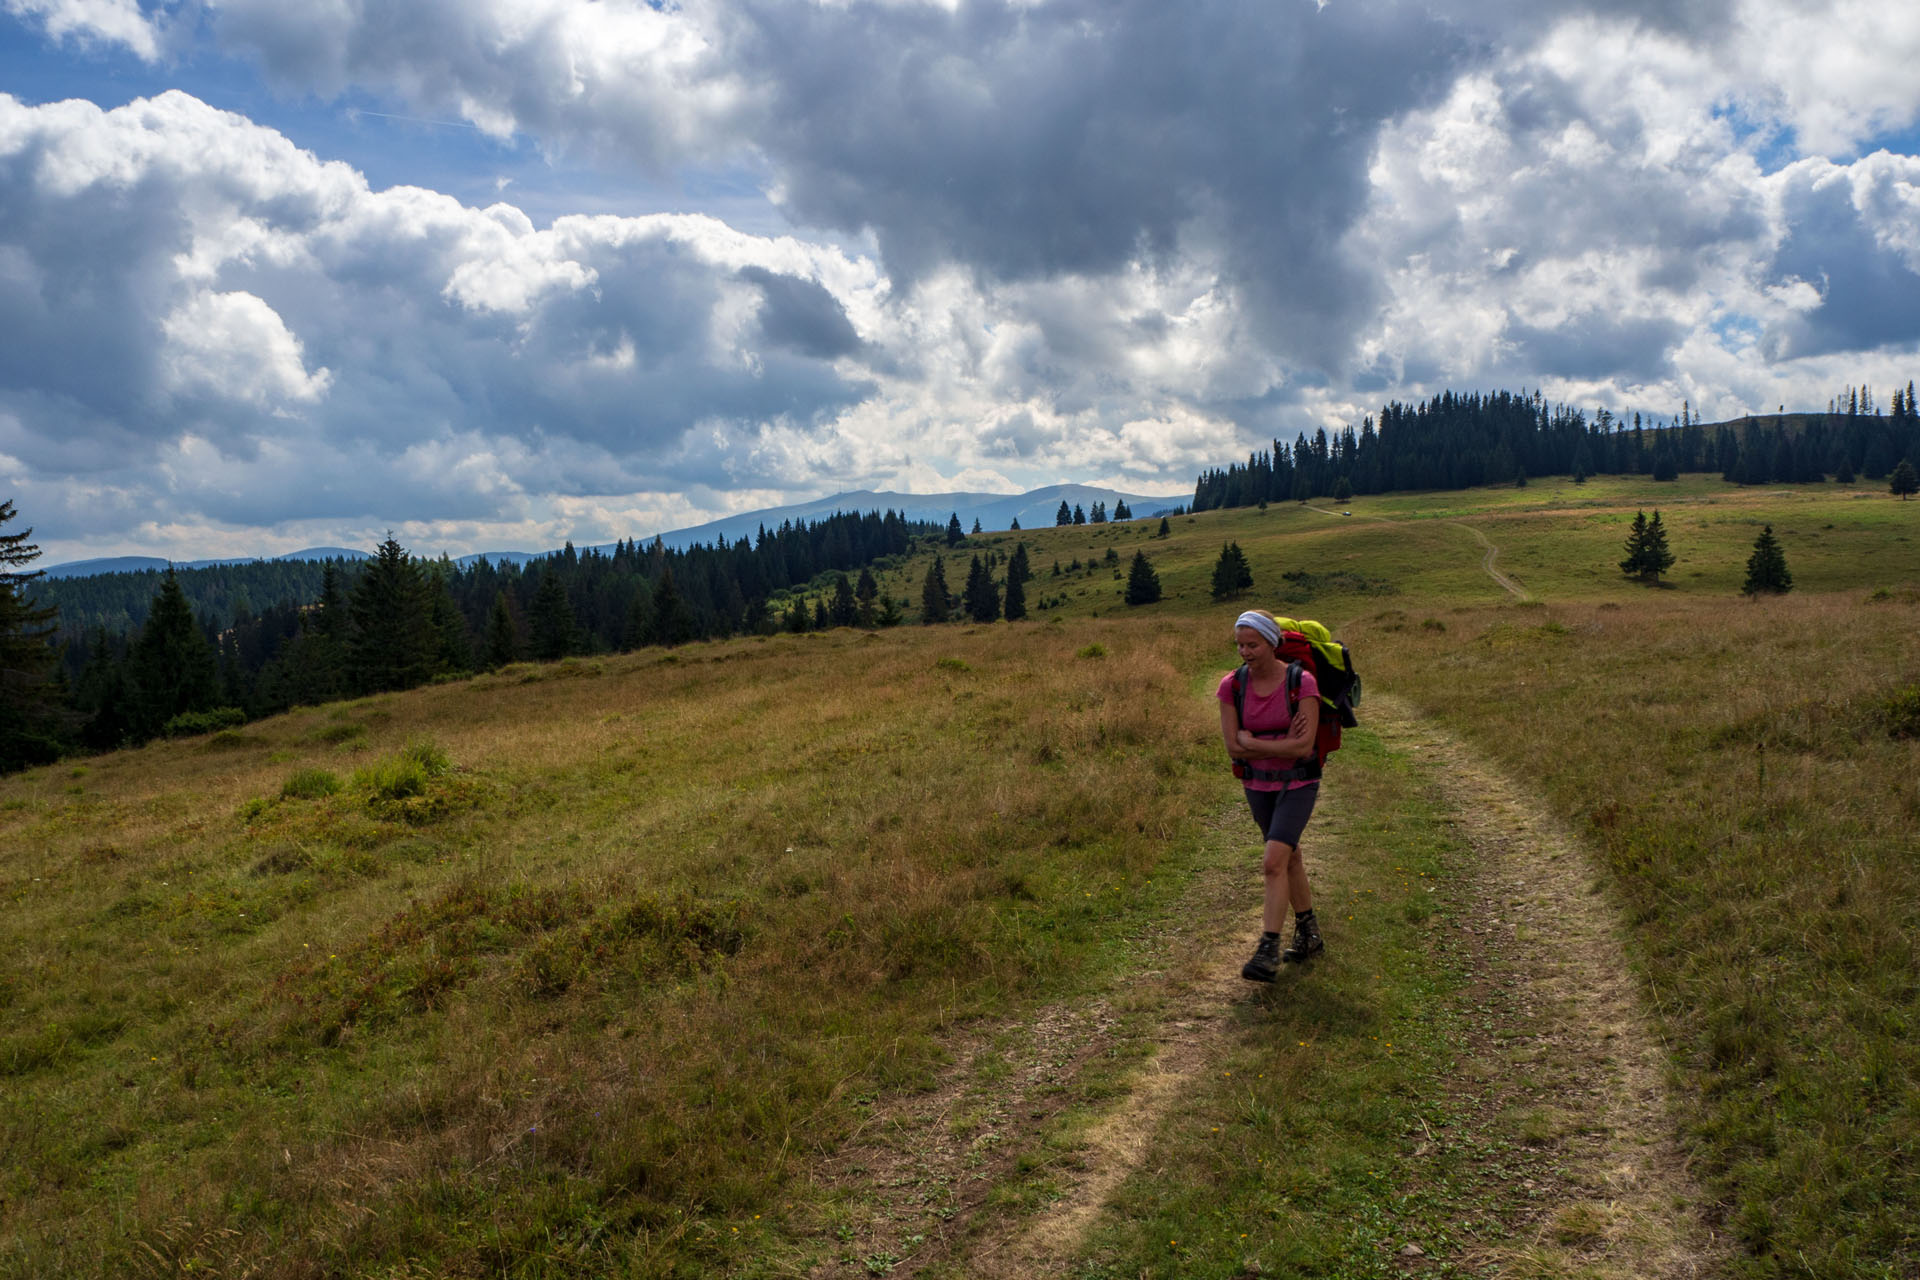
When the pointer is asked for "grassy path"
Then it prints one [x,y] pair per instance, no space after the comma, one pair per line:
[1466,1085]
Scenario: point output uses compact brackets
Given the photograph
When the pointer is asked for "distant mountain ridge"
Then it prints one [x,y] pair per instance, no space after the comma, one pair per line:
[142,564]
[994,511]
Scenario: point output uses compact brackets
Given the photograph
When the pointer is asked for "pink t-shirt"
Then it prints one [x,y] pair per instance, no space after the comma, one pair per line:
[1270,715]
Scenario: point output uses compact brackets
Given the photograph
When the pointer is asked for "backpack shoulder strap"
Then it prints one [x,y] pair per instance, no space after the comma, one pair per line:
[1240,695]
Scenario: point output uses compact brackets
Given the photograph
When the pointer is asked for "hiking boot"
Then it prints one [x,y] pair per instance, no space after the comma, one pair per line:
[1265,965]
[1306,942]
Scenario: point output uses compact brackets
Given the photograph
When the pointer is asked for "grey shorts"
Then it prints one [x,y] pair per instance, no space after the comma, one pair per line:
[1283,815]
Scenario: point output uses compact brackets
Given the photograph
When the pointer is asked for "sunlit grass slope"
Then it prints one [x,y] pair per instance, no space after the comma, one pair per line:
[604,982]
[574,970]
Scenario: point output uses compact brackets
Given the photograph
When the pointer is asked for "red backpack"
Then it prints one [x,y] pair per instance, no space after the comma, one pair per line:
[1306,646]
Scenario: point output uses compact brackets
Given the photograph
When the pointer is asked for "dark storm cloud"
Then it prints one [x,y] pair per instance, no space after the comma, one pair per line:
[1073,138]
[801,316]
[1839,243]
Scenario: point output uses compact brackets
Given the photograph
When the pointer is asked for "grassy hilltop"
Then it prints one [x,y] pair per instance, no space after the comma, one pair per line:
[597,969]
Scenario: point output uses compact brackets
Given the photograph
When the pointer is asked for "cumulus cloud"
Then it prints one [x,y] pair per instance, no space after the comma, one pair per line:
[1090,237]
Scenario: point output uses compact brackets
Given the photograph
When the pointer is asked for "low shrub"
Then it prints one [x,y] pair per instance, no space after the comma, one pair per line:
[310,784]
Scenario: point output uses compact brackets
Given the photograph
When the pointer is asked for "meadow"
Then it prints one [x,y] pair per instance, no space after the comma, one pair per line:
[590,969]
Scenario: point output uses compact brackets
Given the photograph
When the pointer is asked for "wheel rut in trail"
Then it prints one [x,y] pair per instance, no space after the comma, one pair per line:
[1541,933]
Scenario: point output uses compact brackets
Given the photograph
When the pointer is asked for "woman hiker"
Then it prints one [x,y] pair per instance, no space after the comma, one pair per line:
[1269,731]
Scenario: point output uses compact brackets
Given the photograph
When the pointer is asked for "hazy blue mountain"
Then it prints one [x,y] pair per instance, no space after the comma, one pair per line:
[1034,510]
[994,511]
[135,564]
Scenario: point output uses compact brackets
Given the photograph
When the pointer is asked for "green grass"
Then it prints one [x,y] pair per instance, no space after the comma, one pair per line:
[606,973]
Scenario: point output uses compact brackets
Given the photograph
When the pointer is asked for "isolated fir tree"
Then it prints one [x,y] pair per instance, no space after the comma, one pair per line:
[1231,572]
[821,618]
[955,536]
[1064,516]
[976,524]
[1647,554]
[1019,568]
[865,592]
[935,601]
[29,717]
[1655,557]
[1767,567]
[503,636]
[1015,604]
[1121,511]
[1166,530]
[1099,513]
[392,643]
[550,620]
[171,666]
[1143,584]
[981,597]
[1079,516]
[1014,527]
[1903,482]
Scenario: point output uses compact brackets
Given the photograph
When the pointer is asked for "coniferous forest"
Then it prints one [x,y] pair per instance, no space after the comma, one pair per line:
[150,653]
[1459,440]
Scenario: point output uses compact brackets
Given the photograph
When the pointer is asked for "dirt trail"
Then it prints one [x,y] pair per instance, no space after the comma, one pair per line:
[1631,1210]
[1486,561]
[1608,1196]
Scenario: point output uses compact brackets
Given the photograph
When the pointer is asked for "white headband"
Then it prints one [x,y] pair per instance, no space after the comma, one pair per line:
[1263,624]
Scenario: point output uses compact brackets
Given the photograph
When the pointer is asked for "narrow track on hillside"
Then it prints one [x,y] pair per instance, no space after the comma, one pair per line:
[1486,561]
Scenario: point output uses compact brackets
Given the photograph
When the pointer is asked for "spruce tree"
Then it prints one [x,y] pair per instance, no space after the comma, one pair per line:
[672,621]
[455,650]
[392,643]
[976,524]
[1231,572]
[982,597]
[1166,530]
[1121,511]
[1767,567]
[954,535]
[866,591]
[1634,564]
[1903,483]
[637,627]
[935,605]
[551,621]
[845,606]
[29,730]
[1063,516]
[503,637]
[821,619]
[1079,516]
[1655,558]
[1019,569]
[1143,584]
[171,667]
[1015,605]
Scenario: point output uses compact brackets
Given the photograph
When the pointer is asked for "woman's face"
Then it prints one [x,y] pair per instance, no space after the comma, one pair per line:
[1251,644]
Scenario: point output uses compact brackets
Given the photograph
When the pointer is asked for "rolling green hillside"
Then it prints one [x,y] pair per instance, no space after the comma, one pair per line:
[592,969]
